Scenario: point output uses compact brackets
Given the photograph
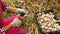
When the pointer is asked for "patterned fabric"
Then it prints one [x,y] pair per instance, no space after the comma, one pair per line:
[6,8]
[2,31]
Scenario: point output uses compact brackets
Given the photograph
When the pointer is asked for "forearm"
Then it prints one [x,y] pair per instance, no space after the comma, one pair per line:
[14,10]
[6,28]
[11,10]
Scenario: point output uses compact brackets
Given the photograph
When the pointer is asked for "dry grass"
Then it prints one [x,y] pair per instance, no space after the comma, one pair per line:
[35,6]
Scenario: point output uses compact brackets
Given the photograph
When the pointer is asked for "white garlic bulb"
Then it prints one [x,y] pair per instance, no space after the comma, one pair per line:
[49,23]
[50,28]
[48,31]
[42,26]
[45,19]
[40,14]
[46,27]
[53,29]
[41,20]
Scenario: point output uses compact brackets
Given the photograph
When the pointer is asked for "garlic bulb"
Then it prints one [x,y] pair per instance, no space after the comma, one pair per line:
[48,23]
[42,26]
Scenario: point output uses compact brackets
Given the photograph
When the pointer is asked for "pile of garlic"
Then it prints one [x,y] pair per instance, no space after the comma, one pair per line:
[47,21]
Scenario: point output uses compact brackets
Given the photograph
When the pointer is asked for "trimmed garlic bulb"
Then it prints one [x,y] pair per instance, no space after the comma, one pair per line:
[42,26]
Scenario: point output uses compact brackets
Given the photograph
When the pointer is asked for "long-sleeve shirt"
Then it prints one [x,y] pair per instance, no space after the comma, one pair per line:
[6,22]
[2,7]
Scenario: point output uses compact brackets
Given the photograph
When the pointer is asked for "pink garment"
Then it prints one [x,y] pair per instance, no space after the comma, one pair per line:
[9,20]
[2,6]
[14,30]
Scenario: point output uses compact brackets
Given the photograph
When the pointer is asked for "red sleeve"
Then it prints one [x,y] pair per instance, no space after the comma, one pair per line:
[3,4]
[0,33]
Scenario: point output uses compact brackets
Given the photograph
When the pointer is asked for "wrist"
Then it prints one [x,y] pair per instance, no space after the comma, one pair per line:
[10,9]
[6,28]
[11,25]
